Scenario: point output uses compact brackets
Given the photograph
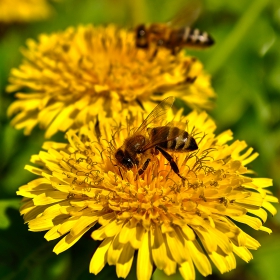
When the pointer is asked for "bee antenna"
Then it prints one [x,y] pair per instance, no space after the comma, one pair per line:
[120,172]
[97,128]
[140,104]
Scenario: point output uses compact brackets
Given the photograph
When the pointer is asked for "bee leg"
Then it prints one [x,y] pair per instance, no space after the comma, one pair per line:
[97,128]
[120,172]
[140,104]
[144,167]
[191,80]
[175,50]
[153,55]
[173,164]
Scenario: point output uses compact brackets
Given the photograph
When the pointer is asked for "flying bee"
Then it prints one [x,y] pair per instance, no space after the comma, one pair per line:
[173,35]
[150,139]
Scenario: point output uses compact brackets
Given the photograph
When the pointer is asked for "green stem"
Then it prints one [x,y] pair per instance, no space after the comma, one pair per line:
[226,48]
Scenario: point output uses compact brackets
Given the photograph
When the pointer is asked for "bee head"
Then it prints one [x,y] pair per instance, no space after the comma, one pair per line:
[124,159]
[141,37]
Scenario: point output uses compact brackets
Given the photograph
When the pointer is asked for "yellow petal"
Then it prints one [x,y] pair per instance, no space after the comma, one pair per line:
[99,259]
[68,241]
[158,248]
[222,241]
[176,247]
[52,233]
[170,267]
[187,271]
[243,253]
[40,224]
[254,199]
[253,222]
[126,233]
[82,223]
[224,263]
[114,251]
[261,213]
[137,241]
[208,238]
[200,260]
[262,182]
[144,259]
[189,232]
[266,229]
[49,197]
[251,243]
[67,225]
[269,207]
[125,261]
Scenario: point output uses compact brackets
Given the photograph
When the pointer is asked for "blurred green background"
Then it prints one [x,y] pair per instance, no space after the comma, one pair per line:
[245,69]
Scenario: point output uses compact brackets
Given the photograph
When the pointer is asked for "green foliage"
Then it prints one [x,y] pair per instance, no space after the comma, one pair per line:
[245,69]
[4,205]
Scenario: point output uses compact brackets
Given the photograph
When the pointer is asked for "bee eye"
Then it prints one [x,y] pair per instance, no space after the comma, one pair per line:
[127,162]
[123,159]
[119,155]
[141,31]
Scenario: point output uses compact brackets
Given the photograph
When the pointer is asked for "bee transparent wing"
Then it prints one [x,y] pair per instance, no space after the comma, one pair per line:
[186,15]
[157,116]
[180,125]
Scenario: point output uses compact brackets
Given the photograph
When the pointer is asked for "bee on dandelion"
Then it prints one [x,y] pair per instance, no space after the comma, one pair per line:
[172,224]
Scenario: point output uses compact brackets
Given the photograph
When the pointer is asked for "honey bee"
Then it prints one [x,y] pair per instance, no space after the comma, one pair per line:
[150,139]
[172,38]
[172,35]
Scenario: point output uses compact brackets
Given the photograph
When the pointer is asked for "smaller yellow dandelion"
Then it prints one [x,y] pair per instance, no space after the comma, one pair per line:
[173,223]
[24,10]
[69,77]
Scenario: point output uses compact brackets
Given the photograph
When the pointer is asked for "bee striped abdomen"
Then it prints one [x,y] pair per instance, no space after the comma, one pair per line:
[188,37]
[173,139]
[197,38]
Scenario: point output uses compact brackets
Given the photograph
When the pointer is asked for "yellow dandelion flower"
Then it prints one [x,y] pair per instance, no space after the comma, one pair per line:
[71,76]
[173,224]
[24,10]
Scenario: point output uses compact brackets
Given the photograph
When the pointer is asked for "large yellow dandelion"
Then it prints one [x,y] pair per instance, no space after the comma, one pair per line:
[24,10]
[68,77]
[171,223]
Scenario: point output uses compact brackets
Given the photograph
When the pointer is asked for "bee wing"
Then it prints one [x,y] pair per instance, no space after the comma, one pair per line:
[180,125]
[157,116]
[187,15]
